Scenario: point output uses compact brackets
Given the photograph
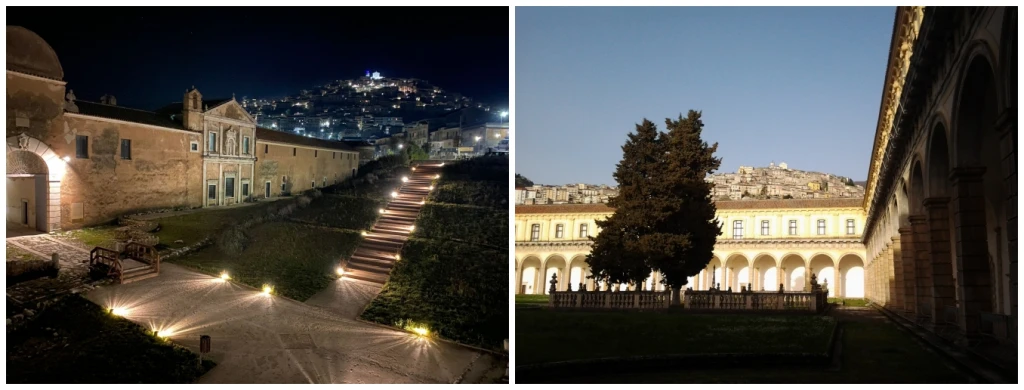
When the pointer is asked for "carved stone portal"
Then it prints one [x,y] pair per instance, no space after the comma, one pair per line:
[23,141]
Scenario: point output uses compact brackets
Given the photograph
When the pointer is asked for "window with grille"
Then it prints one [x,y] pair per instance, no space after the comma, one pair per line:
[559,230]
[535,232]
[765,230]
[737,230]
[821,227]
[792,227]
[851,227]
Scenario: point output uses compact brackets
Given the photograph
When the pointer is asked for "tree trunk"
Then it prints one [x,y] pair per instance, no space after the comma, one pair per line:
[676,298]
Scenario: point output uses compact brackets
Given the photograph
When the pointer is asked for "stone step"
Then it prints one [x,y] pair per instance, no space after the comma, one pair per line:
[369,267]
[366,276]
[380,262]
[137,274]
[386,247]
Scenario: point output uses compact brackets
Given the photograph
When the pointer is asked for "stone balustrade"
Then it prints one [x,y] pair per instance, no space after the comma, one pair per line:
[610,300]
[813,301]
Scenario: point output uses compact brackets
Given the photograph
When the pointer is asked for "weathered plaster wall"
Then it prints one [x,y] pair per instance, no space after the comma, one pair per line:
[301,169]
[161,173]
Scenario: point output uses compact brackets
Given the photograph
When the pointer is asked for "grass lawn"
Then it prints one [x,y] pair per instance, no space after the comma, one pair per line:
[193,227]
[298,260]
[872,352]
[76,341]
[544,335]
[94,236]
[458,291]
[855,302]
[15,254]
[531,299]
[473,224]
[341,211]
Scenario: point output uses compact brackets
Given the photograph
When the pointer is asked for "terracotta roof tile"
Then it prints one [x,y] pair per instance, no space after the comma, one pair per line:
[722,205]
[295,139]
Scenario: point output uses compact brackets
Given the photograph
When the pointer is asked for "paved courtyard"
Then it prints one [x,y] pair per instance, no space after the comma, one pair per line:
[270,339]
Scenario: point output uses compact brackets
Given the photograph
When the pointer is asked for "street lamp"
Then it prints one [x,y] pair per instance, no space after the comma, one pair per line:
[502,115]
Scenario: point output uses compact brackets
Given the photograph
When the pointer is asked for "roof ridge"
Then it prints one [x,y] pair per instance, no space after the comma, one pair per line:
[117,106]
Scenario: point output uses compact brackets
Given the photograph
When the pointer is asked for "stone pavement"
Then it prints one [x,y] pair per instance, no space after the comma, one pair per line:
[74,267]
[270,339]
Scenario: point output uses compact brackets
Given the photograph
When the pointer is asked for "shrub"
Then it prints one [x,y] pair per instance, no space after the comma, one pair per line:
[340,211]
[487,194]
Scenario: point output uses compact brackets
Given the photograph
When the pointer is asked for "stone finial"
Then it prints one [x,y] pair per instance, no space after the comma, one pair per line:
[69,102]
[553,282]
[824,284]
[583,287]
[781,287]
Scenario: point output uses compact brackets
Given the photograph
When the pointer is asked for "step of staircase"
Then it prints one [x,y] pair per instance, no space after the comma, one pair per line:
[137,274]
[369,268]
[366,276]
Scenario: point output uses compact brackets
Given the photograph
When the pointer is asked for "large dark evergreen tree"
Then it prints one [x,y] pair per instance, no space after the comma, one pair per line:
[664,215]
[687,234]
[617,256]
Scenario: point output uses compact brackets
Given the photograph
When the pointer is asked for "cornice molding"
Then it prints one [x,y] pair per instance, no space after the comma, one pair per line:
[905,33]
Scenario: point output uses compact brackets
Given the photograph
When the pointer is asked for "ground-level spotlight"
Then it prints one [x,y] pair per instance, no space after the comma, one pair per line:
[405,179]
[380,211]
[413,168]
[422,332]
[437,176]
[431,188]
[394,194]
[423,202]
[164,333]
[398,257]
[442,164]
[340,271]
[224,276]
[119,311]
[364,233]
[412,228]
[267,289]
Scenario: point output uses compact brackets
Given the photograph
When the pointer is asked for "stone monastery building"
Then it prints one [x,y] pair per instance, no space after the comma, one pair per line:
[73,163]
[935,237]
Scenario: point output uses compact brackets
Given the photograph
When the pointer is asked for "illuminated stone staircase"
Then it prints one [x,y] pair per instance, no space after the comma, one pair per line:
[377,253]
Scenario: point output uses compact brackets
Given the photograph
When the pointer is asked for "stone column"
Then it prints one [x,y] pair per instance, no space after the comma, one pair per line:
[943,288]
[922,263]
[883,271]
[974,277]
[909,276]
[896,257]
[1006,125]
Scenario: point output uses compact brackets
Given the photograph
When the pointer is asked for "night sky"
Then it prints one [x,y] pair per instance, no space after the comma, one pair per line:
[148,56]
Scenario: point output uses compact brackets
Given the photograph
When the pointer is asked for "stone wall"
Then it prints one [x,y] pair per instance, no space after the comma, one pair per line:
[300,168]
[162,172]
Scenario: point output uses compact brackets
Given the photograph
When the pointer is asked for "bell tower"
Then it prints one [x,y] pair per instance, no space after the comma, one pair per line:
[191,110]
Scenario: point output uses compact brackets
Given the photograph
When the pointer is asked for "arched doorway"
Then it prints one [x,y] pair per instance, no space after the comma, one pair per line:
[33,172]
[851,271]
[979,197]
[737,273]
[554,265]
[713,274]
[823,267]
[767,274]
[528,277]
[794,273]
[578,272]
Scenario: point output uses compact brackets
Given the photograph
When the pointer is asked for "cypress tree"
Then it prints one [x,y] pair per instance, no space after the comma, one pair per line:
[688,229]
[617,255]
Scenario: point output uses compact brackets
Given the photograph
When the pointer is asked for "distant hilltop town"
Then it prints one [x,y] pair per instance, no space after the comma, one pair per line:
[747,183]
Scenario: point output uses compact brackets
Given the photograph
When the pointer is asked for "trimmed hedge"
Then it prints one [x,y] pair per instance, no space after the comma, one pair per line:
[458,291]
[477,225]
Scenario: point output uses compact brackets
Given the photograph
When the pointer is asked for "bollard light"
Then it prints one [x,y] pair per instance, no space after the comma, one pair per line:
[164,333]
[422,332]
[267,289]
[380,211]
[431,188]
[340,271]
[398,257]
[438,176]
[412,228]
[224,276]
[413,168]
[363,233]
[394,194]
[405,179]
[119,311]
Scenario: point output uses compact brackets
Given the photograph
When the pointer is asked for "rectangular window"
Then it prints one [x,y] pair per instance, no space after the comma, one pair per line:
[312,184]
[229,187]
[765,231]
[333,155]
[851,227]
[126,149]
[82,146]
[211,191]
[535,232]
[737,230]
[245,189]
[293,151]
[266,149]
[559,230]
[245,145]
[583,230]
[821,227]
[325,181]
[211,144]
[792,227]
[316,153]
[193,146]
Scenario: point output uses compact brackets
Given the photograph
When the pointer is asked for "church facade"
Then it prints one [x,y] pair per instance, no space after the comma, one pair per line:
[73,163]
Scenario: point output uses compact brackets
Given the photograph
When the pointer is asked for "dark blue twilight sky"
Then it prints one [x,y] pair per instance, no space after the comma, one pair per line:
[795,85]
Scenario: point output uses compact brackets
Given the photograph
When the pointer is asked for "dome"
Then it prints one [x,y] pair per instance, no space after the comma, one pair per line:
[28,53]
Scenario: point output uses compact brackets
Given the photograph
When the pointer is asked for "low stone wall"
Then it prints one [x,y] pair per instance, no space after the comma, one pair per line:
[814,301]
[610,300]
